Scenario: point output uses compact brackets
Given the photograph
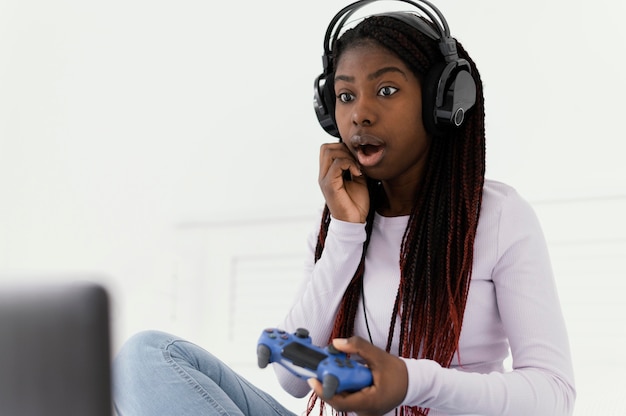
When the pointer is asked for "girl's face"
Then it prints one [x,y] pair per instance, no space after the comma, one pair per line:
[379,113]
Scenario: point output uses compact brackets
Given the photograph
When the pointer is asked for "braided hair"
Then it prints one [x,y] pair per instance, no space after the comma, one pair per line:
[437,248]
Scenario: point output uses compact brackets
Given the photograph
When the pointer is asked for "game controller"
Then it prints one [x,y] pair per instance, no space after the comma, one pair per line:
[296,353]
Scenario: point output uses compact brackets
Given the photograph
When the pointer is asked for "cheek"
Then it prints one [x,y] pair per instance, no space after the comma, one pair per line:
[416,140]
[342,118]
[417,120]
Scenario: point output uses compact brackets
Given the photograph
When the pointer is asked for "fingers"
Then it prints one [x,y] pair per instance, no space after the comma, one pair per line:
[359,346]
[316,386]
[335,158]
[345,402]
[389,374]
[361,401]
[347,197]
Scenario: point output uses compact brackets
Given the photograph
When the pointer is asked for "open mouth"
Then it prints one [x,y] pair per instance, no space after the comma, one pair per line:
[369,149]
[369,154]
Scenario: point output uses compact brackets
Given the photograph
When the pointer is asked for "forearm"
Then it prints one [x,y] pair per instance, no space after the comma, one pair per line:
[316,304]
[518,393]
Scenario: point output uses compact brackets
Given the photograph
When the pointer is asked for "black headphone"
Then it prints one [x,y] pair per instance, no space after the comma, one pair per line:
[449,90]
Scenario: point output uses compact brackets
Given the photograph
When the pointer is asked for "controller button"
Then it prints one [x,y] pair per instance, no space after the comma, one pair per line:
[333,350]
[284,336]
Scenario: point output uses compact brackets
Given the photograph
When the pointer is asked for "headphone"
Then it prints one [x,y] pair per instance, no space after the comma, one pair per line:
[449,90]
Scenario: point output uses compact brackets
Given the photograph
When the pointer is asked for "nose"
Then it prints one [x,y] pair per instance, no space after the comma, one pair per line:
[363,113]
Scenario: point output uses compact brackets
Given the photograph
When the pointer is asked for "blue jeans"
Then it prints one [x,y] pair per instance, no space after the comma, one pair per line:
[158,374]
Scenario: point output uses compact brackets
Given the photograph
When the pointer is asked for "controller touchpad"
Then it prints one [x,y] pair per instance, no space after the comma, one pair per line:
[302,356]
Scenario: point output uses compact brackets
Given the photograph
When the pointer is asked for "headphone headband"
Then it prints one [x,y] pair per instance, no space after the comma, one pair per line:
[447,45]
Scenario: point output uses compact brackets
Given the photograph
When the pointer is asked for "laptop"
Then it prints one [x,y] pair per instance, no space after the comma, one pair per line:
[55,350]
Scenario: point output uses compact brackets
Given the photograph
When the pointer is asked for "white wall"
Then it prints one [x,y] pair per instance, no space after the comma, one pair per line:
[130,131]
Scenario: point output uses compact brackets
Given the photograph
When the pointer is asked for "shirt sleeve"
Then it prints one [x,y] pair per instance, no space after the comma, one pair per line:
[541,381]
[322,289]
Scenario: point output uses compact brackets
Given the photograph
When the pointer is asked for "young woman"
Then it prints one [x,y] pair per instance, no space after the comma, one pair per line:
[421,267]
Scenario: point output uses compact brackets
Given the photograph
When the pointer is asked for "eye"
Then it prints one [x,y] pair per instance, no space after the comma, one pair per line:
[345,97]
[387,91]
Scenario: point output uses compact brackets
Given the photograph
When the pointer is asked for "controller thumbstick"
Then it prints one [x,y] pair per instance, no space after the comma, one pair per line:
[302,333]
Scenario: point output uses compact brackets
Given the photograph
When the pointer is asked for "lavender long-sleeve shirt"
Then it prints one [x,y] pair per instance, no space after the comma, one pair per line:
[512,306]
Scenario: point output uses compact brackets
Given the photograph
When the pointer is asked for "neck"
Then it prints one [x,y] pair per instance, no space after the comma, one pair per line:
[397,201]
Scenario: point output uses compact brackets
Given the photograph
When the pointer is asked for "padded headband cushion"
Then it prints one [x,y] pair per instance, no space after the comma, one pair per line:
[415,22]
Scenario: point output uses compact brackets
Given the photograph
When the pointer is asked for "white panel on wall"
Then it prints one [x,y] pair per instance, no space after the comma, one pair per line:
[587,240]
[261,293]
[241,277]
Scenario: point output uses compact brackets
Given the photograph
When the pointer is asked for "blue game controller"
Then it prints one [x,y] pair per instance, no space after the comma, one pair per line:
[296,353]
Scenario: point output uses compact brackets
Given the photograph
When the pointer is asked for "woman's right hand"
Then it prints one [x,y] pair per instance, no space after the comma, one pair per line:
[347,200]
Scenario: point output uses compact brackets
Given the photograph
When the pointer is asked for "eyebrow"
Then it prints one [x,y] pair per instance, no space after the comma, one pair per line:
[373,75]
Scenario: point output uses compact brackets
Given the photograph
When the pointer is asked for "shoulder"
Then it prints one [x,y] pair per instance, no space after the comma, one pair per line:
[498,192]
[500,199]
[505,218]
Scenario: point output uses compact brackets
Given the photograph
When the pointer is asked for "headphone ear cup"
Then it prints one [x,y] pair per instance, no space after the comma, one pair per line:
[330,99]
[463,96]
[324,103]
[449,91]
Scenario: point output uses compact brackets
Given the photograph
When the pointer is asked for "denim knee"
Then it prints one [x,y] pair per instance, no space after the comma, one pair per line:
[138,354]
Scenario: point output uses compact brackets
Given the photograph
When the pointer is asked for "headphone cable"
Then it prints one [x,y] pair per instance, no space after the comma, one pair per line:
[367,325]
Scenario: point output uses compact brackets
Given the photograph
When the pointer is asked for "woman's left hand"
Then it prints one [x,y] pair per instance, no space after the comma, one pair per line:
[388,389]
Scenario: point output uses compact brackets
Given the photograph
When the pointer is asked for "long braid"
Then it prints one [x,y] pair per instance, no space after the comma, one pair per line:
[321,237]
[436,254]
